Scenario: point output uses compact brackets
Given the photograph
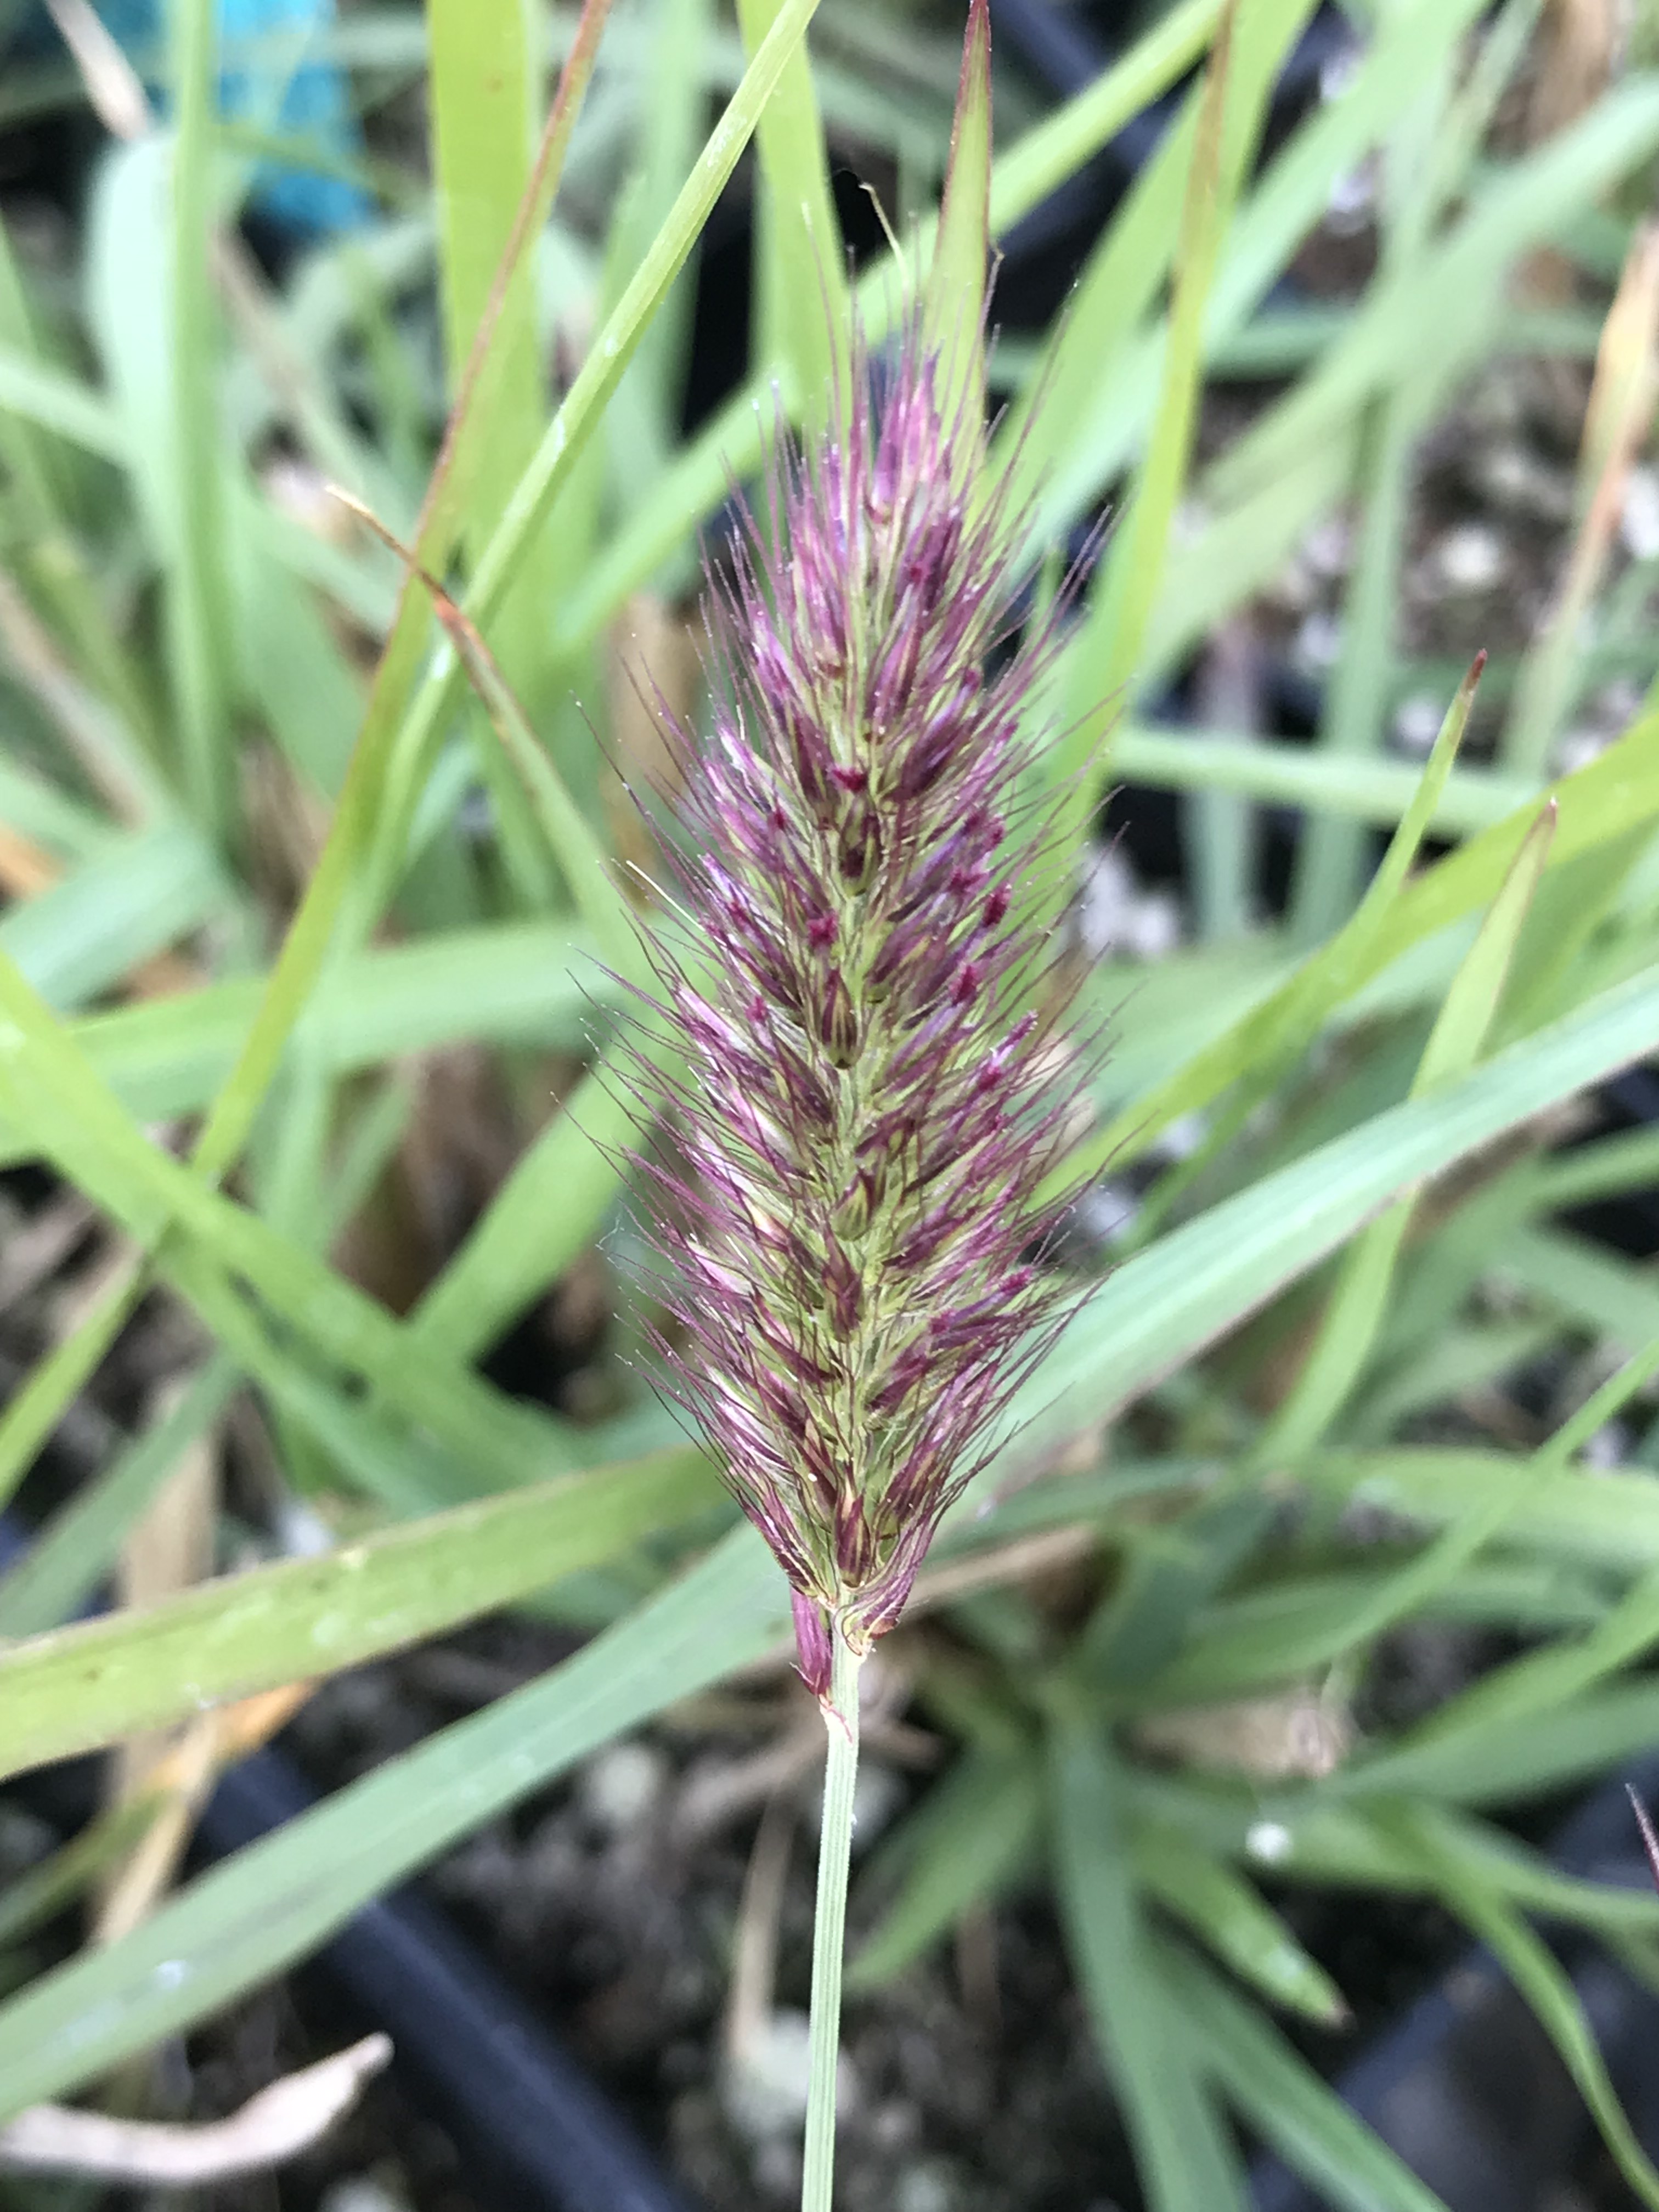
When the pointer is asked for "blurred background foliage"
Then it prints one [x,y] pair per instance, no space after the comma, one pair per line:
[314,1176]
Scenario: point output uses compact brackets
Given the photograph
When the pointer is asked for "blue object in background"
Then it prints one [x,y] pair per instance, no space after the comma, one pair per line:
[314,105]
[288,96]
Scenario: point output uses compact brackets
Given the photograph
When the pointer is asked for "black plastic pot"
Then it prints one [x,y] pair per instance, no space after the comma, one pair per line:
[538,2134]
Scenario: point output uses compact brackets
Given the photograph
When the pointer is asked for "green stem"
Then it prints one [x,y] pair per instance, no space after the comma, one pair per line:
[840,1718]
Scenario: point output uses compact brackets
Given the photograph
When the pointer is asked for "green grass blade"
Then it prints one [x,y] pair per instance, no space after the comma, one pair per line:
[484,91]
[1118,286]
[199,613]
[1596,1289]
[565,437]
[1354,1317]
[46,1085]
[1377,791]
[80,1544]
[85,934]
[1102,656]
[1628,1628]
[1450,291]
[1594,808]
[1493,1859]
[35,393]
[277,1900]
[1095,440]
[953,298]
[1185,2161]
[1022,177]
[1331,855]
[42,1891]
[1285,2102]
[36,1405]
[683,33]
[551,1206]
[1167,1302]
[1507,1762]
[81,1687]
[1558,1673]
[801,315]
[564,828]
[1610,1524]
[66,828]
[971,1835]
[528,983]
[484,87]
[1547,1989]
[1607,1168]
[361,799]
[1227,1913]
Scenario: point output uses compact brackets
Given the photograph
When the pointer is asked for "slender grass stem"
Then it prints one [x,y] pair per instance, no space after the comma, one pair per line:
[841,1718]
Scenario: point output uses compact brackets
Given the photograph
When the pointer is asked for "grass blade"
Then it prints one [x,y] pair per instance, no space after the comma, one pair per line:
[80,1544]
[1102,658]
[1169,1301]
[1228,1914]
[197,609]
[972,1833]
[273,1902]
[1185,2161]
[565,437]
[1281,2097]
[1545,1986]
[801,315]
[83,1687]
[1358,1303]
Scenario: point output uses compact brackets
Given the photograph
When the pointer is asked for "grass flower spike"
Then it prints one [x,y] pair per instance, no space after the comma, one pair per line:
[865,1126]
[865,1116]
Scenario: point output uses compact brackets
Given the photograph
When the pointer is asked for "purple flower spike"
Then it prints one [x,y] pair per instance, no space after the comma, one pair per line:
[866,1117]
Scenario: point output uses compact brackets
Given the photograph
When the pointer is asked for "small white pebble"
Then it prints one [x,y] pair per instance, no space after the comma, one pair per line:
[877,1796]
[1153,931]
[359,2192]
[1269,1841]
[1181,1139]
[301,1532]
[1104,1211]
[1352,197]
[1607,1450]
[1102,911]
[927,2186]
[1577,747]
[764,2085]
[1513,477]
[1338,71]
[1638,525]
[1617,704]
[1327,549]
[622,1786]
[777,2169]
[1470,558]
[1417,724]
[1318,640]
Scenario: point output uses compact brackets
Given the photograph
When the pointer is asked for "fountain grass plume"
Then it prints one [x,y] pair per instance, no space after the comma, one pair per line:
[851,1223]
[863,1088]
